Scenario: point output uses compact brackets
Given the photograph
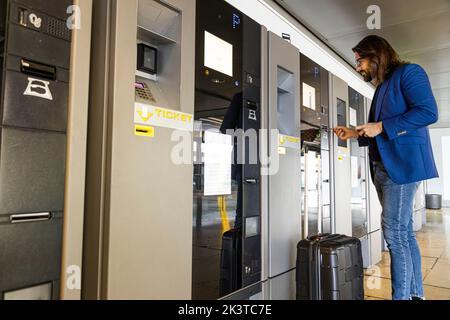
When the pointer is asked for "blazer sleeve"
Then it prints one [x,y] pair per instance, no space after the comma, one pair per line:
[422,106]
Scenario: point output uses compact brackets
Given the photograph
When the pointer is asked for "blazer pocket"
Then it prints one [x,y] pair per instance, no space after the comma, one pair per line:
[411,140]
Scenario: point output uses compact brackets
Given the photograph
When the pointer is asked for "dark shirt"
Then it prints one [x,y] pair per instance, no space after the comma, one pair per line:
[374,153]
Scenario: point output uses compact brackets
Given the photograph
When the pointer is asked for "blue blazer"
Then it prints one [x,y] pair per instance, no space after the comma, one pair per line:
[406,106]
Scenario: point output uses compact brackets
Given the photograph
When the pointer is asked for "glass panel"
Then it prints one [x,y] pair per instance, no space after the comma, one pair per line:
[311,168]
[315,143]
[214,211]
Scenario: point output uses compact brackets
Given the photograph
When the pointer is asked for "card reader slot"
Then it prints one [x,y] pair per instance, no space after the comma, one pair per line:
[37,69]
[252,105]
[30,217]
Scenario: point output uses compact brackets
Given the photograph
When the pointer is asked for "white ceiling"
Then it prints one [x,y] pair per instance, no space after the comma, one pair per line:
[419,30]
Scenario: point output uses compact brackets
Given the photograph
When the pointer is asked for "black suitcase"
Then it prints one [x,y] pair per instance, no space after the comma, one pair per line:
[330,267]
[230,263]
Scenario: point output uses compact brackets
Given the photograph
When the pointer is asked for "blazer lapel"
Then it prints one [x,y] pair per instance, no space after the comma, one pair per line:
[380,98]
[372,105]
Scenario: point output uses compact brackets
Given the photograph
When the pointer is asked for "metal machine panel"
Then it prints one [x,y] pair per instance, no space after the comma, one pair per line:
[374,205]
[375,247]
[365,248]
[342,161]
[419,208]
[419,200]
[282,287]
[28,110]
[47,49]
[56,8]
[357,116]
[41,292]
[138,175]
[284,186]
[35,74]
[30,250]
[32,171]
[325,178]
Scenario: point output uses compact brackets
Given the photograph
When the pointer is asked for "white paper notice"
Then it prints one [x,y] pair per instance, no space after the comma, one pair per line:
[309,96]
[218,54]
[217,151]
[353,119]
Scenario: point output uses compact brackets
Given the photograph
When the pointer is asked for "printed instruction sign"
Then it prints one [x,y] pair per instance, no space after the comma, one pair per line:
[153,116]
[309,96]
[217,152]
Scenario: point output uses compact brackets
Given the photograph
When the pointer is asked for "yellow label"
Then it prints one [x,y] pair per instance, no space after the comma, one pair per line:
[144,131]
[145,116]
[173,115]
[159,117]
[282,140]
[292,139]
[340,158]
[288,142]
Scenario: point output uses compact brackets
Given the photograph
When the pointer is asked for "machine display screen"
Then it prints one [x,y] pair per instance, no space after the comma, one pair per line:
[218,54]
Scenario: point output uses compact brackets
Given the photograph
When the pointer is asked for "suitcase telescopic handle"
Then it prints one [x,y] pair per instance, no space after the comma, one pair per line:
[319,236]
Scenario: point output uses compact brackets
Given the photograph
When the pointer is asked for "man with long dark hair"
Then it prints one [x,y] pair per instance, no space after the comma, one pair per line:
[400,152]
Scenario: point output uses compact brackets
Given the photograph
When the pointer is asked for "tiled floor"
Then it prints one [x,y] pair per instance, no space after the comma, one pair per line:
[434,242]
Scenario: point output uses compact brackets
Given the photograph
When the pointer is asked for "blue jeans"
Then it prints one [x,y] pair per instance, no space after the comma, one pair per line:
[397,201]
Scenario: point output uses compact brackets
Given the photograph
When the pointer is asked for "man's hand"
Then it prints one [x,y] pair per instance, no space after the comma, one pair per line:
[370,130]
[345,133]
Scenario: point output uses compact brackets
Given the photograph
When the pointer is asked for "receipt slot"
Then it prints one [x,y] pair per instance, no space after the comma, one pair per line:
[35,44]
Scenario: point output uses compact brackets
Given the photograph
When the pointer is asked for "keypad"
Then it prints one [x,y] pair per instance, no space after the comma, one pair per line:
[144,93]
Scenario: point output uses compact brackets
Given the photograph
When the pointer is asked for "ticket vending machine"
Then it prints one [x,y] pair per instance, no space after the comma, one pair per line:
[282,119]
[35,45]
[226,204]
[374,212]
[342,188]
[315,124]
[138,221]
[359,181]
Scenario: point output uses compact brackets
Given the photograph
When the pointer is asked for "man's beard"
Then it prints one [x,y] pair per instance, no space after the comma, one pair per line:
[367,76]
